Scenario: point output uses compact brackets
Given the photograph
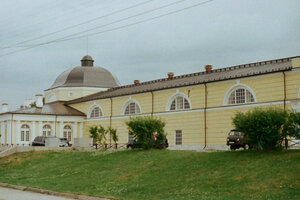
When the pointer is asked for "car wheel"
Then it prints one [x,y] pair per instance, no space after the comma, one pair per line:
[246,146]
[129,147]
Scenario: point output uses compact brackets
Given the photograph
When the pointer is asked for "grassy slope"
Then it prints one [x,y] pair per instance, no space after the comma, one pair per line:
[159,174]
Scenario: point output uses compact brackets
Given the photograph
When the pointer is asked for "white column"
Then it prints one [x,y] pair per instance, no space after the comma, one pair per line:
[2,130]
[61,129]
[75,130]
[18,132]
[9,131]
[81,129]
[40,129]
[33,131]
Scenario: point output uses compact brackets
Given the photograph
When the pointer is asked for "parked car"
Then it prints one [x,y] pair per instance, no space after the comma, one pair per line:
[237,139]
[40,140]
[134,144]
[64,142]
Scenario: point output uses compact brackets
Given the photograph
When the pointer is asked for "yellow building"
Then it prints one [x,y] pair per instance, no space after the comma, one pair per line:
[197,107]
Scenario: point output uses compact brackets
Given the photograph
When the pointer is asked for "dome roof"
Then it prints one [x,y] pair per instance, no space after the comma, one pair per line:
[86,76]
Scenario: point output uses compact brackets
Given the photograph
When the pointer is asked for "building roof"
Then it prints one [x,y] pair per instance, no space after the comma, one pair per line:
[233,72]
[54,108]
[86,76]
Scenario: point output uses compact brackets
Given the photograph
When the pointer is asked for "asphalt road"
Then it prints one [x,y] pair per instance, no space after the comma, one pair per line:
[11,194]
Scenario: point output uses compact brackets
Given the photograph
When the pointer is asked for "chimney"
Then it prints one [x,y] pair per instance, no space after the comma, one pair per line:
[170,75]
[39,100]
[4,107]
[136,82]
[208,68]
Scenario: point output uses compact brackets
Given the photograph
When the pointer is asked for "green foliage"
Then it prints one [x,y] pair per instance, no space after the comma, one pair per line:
[161,175]
[113,134]
[99,133]
[292,126]
[143,129]
[94,132]
[262,126]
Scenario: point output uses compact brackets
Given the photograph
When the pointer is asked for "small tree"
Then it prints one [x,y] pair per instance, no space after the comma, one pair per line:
[94,133]
[262,126]
[98,133]
[102,135]
[113,134]
[145,129]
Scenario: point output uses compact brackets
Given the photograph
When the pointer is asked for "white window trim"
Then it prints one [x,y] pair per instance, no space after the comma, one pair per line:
[92,108]
[30,131]
[128,102]
[168,106]
[52,132]
[235,87]
[72,130]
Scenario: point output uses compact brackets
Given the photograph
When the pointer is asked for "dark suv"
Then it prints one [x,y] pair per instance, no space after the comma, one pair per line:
[237,139]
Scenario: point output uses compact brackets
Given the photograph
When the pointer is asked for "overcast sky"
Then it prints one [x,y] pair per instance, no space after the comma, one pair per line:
[220,32]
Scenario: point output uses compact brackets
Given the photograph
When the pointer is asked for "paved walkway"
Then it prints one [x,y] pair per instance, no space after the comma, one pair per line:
[11,194]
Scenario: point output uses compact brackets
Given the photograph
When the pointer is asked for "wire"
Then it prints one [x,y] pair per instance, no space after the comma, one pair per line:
[113,29]
[76,25]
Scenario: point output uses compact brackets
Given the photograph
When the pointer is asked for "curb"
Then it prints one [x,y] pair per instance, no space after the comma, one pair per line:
[50,192]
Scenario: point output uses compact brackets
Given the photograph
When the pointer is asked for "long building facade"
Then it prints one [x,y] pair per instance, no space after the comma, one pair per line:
[197,108]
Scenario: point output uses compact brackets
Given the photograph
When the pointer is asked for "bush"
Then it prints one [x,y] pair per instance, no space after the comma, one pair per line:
[99,134]
[263,127]
[149,131]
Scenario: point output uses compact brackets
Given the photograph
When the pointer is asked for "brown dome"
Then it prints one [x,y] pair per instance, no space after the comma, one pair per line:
[86,76]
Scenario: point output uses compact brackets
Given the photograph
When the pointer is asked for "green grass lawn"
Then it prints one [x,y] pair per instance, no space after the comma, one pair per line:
[159,174]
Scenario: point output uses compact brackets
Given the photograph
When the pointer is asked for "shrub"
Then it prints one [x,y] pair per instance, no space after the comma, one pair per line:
[292,126]
[99,133]
[263,127]
[149,131]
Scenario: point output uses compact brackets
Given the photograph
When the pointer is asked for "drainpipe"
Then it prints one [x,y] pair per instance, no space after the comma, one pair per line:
[284,105]
[152,111]
[205,107]
[110,119]
[284,90]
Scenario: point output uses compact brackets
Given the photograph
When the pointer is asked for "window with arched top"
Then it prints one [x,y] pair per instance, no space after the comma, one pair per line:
[95,112]
[240,95]
[68,132]
[132,108]
[47,131]
[179,102]
[25,133]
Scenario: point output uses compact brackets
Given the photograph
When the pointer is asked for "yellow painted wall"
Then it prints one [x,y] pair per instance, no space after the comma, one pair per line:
[293,85]
[267,88]
[63,95]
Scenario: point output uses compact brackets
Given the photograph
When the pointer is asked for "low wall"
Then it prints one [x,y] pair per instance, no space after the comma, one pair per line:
[15,149]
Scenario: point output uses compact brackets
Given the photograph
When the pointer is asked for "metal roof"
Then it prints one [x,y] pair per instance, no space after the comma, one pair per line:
[233,72]
[53,108]
[85,77]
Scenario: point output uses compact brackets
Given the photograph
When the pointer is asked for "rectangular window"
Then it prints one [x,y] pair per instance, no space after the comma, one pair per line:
[178,137]
[27,135]
[22,136]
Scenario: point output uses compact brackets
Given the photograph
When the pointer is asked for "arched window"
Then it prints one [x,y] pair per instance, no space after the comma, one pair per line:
[132,108]
[240,96]
[47,130]
[179,102]
[25,131]
[95,112]
[68,132]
